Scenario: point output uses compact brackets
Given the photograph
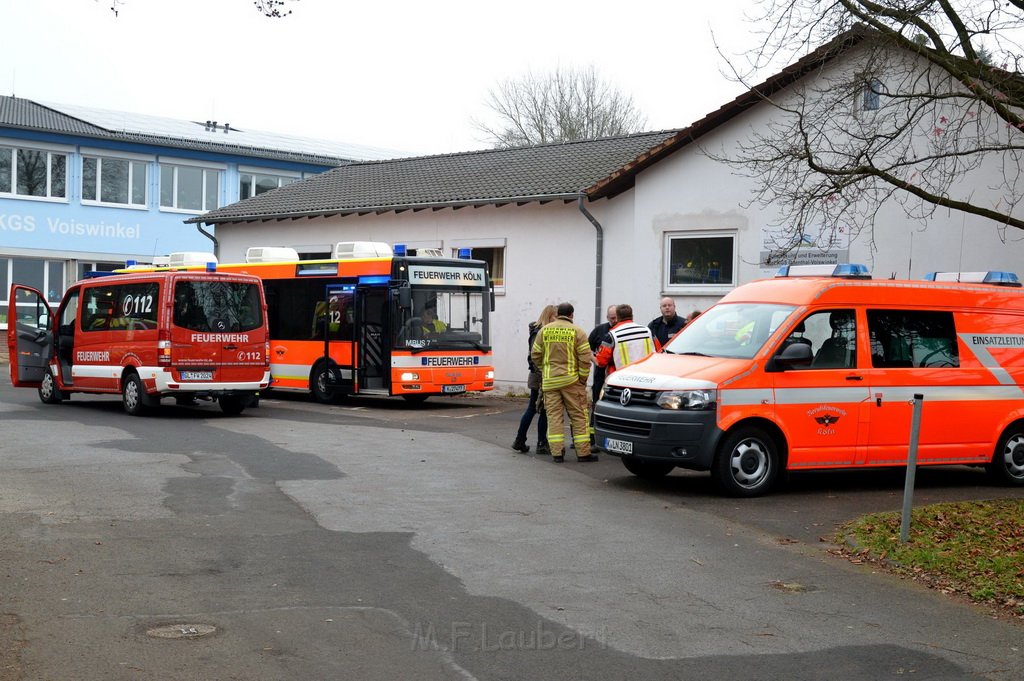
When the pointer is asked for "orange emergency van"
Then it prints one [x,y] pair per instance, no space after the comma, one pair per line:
[144,336]
[806,371]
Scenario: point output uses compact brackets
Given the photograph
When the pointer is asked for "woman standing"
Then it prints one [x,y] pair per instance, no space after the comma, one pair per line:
[533,381]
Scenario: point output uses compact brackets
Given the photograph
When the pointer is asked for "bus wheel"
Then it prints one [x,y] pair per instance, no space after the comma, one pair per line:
[415,399]
[648,470]
[319,384]
[233,404]
[136,403]
[747,463]
[49,393]
[1007,466]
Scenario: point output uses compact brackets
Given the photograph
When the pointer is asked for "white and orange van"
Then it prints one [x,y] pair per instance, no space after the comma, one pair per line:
[144,336]
[810,371]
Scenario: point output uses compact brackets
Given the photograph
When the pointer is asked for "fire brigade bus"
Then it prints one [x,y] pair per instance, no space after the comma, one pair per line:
[375,321]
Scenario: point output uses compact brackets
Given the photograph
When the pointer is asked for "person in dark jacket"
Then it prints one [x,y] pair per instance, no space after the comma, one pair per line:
[533,382]
[595,339]
[668,324]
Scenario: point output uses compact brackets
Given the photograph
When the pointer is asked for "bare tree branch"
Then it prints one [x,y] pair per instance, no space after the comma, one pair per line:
[925,109]
[566,104]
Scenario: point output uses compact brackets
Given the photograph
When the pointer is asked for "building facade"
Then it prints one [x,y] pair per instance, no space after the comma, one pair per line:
[617,220]
[86,189]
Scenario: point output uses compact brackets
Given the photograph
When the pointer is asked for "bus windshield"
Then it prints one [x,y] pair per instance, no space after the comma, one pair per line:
[735,330]
[444,318]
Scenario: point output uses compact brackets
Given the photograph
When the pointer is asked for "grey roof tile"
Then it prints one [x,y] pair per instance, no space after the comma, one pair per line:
[469,178]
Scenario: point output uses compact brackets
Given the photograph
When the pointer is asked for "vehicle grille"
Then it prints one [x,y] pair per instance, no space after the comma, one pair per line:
[637,397]
[622,425]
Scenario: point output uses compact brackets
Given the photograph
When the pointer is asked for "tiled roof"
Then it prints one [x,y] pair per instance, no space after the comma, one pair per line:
[537,173]
[69,119]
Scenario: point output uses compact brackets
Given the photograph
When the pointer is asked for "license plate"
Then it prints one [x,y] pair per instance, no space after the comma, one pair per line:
[620,446]
[453,388]
[197,375]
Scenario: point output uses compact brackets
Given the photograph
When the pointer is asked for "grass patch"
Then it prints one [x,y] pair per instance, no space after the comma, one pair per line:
[971,548]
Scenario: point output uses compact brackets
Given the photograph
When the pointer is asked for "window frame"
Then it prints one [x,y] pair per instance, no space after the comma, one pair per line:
[497,275]
[871,95]
[252,171]
[99,155]
[693,288]
[51,150]
[175,164]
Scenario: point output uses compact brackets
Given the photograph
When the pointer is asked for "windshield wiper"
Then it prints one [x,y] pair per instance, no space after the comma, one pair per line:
[692,354]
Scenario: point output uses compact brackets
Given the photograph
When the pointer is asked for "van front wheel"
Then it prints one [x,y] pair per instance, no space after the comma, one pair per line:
[1007,466]
[648,470]
[49,393]
[747,463]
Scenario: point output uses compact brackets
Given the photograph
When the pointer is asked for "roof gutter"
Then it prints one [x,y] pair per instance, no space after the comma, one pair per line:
[436,205]
[599,263]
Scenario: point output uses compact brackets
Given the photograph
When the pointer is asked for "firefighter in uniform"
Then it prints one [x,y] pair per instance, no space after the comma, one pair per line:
[563,353]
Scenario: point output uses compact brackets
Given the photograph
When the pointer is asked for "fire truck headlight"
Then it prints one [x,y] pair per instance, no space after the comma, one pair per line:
[489,376]
[690,400]
[410,376]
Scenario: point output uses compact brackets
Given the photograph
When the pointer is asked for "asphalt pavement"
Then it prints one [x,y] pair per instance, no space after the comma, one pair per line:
[377,540]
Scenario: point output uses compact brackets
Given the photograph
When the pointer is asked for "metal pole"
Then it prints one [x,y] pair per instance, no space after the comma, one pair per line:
[908,487]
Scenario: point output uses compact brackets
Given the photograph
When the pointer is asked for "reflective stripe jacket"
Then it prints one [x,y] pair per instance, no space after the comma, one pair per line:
[627,342]
[563,354]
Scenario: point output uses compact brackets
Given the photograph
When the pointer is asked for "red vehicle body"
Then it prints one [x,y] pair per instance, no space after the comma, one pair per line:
[144,336]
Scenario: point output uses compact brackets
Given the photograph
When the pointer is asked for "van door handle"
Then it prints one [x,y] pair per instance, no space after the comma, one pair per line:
[230,347]
[854,377]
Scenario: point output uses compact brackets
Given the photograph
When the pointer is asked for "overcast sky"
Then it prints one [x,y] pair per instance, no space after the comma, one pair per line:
[410,76]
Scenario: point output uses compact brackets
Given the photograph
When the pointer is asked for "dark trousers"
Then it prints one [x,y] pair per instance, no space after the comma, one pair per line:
[542,421]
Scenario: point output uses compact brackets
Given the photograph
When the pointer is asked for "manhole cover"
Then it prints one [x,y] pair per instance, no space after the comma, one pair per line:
[181,631]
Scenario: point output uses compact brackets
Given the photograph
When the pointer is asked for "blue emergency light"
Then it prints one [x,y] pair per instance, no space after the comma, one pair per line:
[465,253]
[399,250]
[211,266]
[130,263]
[842,270]
[994,277]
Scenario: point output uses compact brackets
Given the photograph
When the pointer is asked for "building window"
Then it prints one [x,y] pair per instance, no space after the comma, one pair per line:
[494,256]
[189,188]
[43,275]
[254,184]
[114,181]
[872,96]
[85,267]
[33,172]
[699,260]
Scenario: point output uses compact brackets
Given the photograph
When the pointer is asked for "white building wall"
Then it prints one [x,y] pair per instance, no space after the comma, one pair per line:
[549,257]
[550,249]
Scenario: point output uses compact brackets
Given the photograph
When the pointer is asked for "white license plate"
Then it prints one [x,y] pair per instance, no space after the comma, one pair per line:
[197,375]
[620,446]
[453,388]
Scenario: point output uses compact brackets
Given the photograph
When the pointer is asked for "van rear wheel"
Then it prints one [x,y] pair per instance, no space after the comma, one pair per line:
[233,404]
[648,470]
[1007,466]
[747,463]
[49,393]
[134,397]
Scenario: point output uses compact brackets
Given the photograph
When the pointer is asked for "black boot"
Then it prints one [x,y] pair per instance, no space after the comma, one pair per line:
[521,446]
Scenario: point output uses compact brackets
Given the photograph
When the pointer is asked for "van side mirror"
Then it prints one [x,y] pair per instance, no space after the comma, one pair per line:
[405,297]
[791,356]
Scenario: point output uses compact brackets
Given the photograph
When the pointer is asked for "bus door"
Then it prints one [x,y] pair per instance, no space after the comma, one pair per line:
[372,335]
[337,322]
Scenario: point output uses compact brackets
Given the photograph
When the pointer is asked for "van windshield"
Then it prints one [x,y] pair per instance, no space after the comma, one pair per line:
[217,306]
[734,330]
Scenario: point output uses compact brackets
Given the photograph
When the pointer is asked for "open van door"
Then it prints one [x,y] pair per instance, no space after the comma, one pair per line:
[29,336]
